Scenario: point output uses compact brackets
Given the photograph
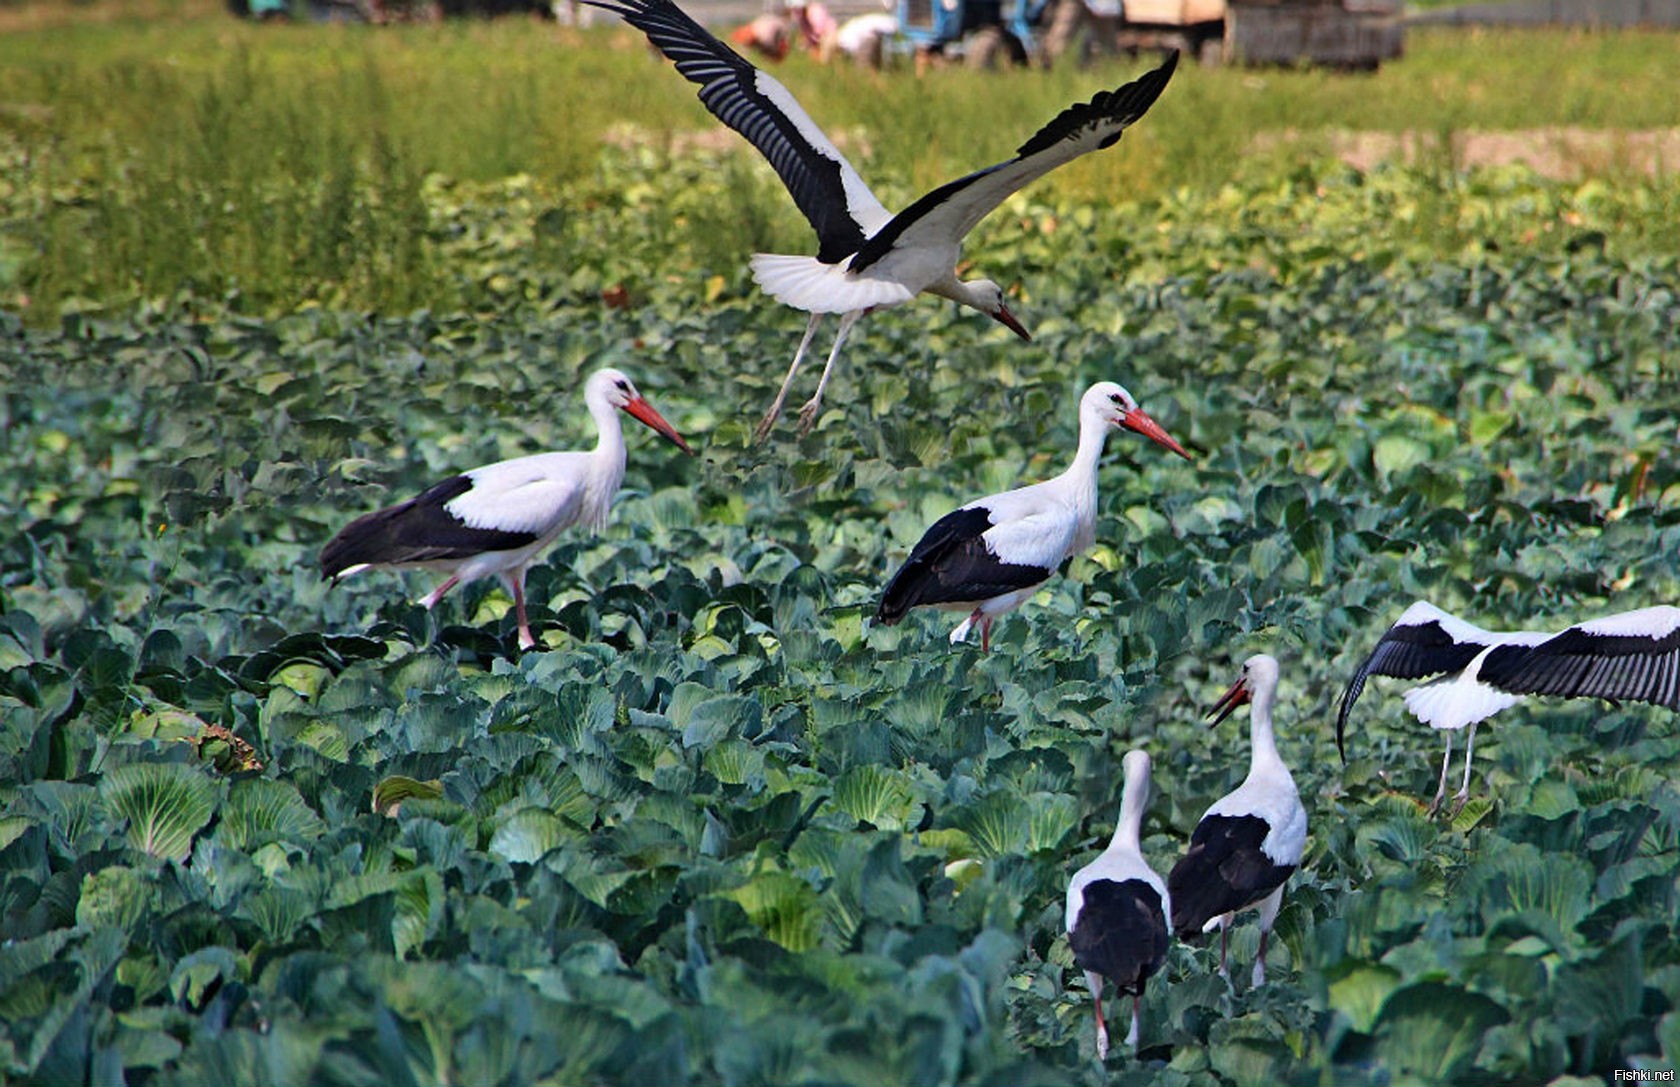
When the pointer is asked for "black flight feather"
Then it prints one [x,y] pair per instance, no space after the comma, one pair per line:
[729,89]
[1223,870]
[1119,107]
[418,530]
[1406,652]
[951,565]
[1576,663]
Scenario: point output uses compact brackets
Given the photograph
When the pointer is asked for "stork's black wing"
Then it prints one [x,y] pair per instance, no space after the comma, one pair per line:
[823,184]
[1425,641]
[418,530]
[948,213]
[951,564]
[1632,657]
[1223,870]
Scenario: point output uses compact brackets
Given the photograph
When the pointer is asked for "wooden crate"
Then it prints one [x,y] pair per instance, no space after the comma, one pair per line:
[1174,12]
[1261,32]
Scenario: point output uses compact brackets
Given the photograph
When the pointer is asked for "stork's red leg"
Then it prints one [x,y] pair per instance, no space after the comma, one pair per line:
[1095,981]
[517,581]
[431,598]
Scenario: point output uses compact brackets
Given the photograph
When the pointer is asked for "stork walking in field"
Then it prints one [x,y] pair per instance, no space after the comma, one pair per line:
[989,556]
[1117,908]
[1633,656]
[1251,839]
[497,519]
[867,257]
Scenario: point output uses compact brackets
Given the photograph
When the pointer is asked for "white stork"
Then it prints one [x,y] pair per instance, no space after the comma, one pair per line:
[1633,656]
[497,519]
[868,258]
[1117,908]
[1251,839]
[989,556]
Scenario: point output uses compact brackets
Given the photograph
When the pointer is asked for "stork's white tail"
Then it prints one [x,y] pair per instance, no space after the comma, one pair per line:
[1454,703]
[807,283]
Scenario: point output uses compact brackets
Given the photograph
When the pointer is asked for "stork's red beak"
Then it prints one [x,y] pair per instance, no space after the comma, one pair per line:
[643,412]
[1228,702]
[1007,320]
[1138,420]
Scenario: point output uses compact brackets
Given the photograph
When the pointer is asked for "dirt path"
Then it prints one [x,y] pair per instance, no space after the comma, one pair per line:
[1564,153]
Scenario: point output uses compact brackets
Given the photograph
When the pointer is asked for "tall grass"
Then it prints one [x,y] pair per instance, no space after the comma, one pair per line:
[271,166]
[230,184]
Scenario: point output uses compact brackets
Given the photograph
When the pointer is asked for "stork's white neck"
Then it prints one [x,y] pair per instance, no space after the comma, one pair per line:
[1263,757]
[958,290]
[609,431]
[1077,486]
[1128,831]
[1093,435]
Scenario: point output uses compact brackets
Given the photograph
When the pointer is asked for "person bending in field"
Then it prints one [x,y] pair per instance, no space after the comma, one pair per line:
[772,33]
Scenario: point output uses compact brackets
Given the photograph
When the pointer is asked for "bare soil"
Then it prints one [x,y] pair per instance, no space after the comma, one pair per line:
[1565,153]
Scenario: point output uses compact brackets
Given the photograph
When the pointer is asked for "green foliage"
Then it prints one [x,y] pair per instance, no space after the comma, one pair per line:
[460,166]
[719,831]
[165,804]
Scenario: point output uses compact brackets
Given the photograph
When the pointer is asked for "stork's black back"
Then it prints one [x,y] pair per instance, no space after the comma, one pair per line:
[1120,933]
[418,530]
[951,564]
[1223,870]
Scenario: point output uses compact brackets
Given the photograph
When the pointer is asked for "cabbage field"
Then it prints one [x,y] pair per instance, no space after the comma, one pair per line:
[720,829]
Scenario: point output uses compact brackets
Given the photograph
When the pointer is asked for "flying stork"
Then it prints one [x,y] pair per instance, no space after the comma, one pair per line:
[868,258]
[1633,656]
[1117,908]
[1251,839]
[989,556]
[497,519]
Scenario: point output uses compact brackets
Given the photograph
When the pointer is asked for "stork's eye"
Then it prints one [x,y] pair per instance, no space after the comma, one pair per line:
[623,386]
[1114,397]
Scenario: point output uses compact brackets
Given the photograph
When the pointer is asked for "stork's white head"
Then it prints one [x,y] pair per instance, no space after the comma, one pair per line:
[612,390]
[1261,671]
[1258,681]
[1135,767]
[1114,406]
[987,297]
[611,387]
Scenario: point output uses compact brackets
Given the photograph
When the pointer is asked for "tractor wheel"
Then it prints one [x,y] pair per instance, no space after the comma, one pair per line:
[986,46]
[1210,50]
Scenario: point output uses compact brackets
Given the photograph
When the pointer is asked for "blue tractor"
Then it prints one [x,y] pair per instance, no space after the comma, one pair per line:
[982,32]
